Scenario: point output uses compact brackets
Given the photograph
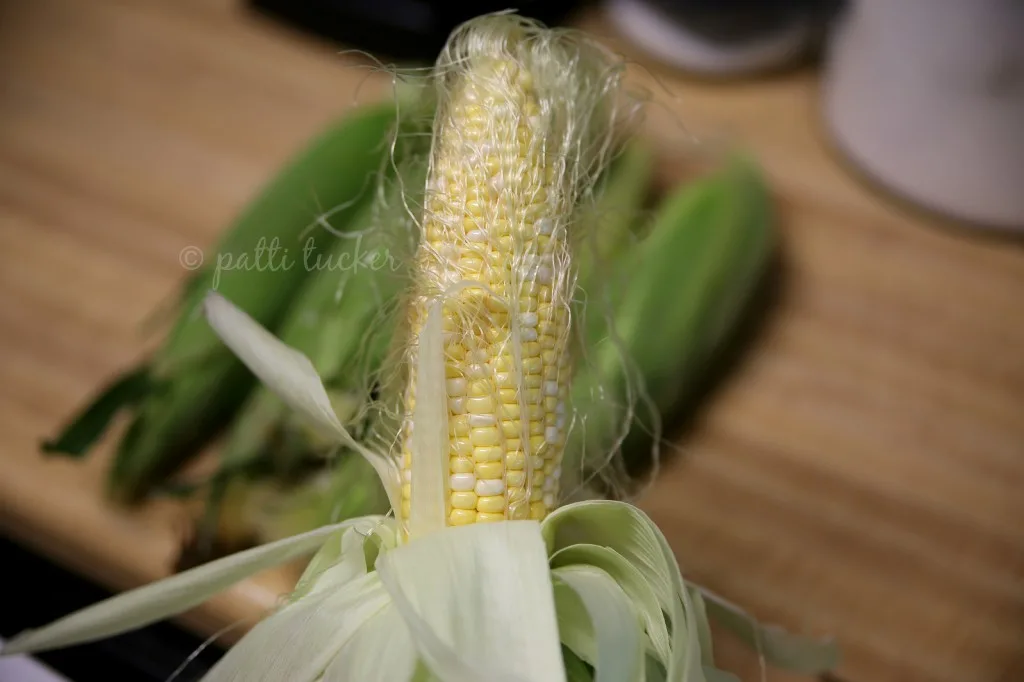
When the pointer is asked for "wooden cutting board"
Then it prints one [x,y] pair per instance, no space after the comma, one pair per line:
[861,473]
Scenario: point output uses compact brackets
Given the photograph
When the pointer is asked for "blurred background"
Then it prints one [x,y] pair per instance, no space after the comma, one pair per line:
[857,471]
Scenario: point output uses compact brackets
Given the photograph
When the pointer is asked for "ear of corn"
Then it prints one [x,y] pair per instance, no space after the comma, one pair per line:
[513,147]
[674,302]
[340,321]
[192,384]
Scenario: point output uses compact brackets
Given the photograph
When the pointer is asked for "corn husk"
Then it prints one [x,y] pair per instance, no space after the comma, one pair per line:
[190,387]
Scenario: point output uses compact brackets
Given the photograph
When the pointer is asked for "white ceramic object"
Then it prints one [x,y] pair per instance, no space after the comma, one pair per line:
[670,42]
[927,97]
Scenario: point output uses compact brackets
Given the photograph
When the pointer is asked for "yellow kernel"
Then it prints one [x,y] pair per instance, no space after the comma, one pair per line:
[458,425]
[506,380]
[538,511]
[536,495]
[452,371]
[486,517]
[464,500]
[505,362]
[514,479]
[537,428]
[462,517]
[533,381]
[527,303]
[508,395]
[519,511]
[492,504]
[489,470]
[406,508]
[407,490]
[495,334]
[480,404]
[455,352]
[485,435]
[461,447]
[461,465]
[532,365]
[456,387]
[490,453]
[509,411]
[512,428]
[547,341]
[531,349]
[478,388]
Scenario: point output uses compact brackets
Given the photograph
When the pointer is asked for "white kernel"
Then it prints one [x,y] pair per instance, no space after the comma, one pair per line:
[528,334]
[560,422]
[557,473]
[482,420]
[491,487]
[528,320]
[478,355]
[549,500]
[551,388]
[463,482]
[544,274]
[478,236]
[406,475]
[551,434]
[545,226]
[549,485]
[560,407]
[457,405]
[456,387]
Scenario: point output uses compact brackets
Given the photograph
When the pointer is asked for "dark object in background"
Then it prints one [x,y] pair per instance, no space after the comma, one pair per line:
[406,30]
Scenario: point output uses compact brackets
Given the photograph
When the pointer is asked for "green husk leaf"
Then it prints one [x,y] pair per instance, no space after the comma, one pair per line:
[807,655]
[575,669]
[629,532]
[618,641]
[299,641]
[202,385]
[79,435]
[674,299]
[632,582]
[450,587]
[291,376]
[430,438]
[168,597]
[382,650]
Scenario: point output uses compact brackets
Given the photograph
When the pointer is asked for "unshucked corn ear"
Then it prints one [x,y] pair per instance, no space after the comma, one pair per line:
[191,386]
[673,301]
[343,320]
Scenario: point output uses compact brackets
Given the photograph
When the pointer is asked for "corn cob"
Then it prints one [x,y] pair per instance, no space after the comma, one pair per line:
[495,251]
[192,386]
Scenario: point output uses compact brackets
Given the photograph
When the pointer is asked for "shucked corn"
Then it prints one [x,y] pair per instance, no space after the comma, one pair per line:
[495,251]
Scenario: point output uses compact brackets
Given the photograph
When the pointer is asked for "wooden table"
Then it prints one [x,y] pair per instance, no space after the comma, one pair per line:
[861,474]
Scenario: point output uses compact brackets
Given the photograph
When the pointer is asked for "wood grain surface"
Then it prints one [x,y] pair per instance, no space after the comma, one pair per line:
[861,473]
